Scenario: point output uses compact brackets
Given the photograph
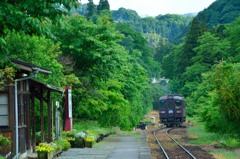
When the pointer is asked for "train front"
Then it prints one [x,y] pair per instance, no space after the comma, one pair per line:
[172,110]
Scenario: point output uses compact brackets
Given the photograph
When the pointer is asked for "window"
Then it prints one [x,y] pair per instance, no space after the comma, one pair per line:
[170,104]
[162,104]
[4,110]
[178,102]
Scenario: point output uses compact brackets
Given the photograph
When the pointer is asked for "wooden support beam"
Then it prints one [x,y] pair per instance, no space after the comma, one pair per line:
[33,123]
[28,123]
[49,117]
[38,96]
[42,115]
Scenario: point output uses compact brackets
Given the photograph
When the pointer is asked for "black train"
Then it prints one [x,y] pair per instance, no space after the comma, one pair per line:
[172,110]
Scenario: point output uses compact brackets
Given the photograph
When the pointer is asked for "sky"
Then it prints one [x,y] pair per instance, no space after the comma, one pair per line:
[156,7]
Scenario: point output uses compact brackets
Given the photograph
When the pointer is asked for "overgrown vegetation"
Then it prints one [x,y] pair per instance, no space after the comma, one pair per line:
[93,125]
[4,141]
[205,69]
[110,65]
[221,146]
[110,80]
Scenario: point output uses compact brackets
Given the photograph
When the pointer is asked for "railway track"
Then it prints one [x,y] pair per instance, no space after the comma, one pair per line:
[170,147]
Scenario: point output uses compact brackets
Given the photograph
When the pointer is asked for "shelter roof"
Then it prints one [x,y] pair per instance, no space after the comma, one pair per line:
[37,85]
[45,86]
[28,67]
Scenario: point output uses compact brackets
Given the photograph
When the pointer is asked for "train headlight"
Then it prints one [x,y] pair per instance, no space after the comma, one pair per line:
[162,111]
[179,111]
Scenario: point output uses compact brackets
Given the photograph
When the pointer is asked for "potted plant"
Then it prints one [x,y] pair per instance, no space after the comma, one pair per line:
[4,141]
[71,140]
[79,139]
[89,141]
[62,144]
[43,149]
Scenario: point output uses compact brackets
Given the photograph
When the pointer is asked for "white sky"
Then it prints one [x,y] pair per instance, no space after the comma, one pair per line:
[156,7]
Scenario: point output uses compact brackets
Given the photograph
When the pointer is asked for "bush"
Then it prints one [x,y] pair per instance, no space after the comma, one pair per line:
[230,142]
[4,141]
[63,144]
[69,133]
[80,135]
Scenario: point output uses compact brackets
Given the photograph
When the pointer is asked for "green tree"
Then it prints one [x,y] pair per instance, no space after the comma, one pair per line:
[103,5]
[31,16]
[211,49]
[137,46]
[110,83]
[232,32]
[217,99]
[184,58]
[39,51]
[221,12]
[227,88]
[169,62]
[196,30]
[164,47]
[91,9]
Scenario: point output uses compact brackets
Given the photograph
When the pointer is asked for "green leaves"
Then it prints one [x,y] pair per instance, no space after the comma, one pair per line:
[110,83]
[37,50]
[6,77]
[227,81]
[112,80]
[211,49]
[31,16]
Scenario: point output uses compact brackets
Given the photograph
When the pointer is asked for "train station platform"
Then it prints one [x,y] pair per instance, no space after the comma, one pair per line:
[117,146]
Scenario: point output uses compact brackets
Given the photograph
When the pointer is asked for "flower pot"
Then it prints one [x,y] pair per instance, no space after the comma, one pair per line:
[100,137]
[79,143]
[88,144]
[73,143]
[42,155]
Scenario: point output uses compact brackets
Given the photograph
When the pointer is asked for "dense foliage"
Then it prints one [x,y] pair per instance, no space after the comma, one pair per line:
[205,68]
[110,81]
[221,12]
[170,26]
[110,63]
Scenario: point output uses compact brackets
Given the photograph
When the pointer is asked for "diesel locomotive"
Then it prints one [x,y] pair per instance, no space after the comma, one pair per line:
[172,110]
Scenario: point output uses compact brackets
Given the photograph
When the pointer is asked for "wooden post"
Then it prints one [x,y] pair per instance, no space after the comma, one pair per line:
[49,117]
[42,115]
[27,109]
[33,123]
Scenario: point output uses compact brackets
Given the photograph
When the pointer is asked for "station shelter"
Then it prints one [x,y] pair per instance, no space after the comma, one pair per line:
[19,104]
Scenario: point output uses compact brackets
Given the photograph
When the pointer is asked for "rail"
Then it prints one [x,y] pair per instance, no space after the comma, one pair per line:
[159,143]
[183,148]
[175,141]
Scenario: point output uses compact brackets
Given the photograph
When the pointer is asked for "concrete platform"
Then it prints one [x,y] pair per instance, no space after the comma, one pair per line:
[127,146]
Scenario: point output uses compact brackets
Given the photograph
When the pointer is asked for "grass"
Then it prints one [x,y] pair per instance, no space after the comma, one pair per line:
[225,154]
[92,125]
[199,136]
[129,133]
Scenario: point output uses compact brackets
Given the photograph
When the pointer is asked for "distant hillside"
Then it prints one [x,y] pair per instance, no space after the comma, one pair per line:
[170,26]
[128,16]
[221,12]
[190,14]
